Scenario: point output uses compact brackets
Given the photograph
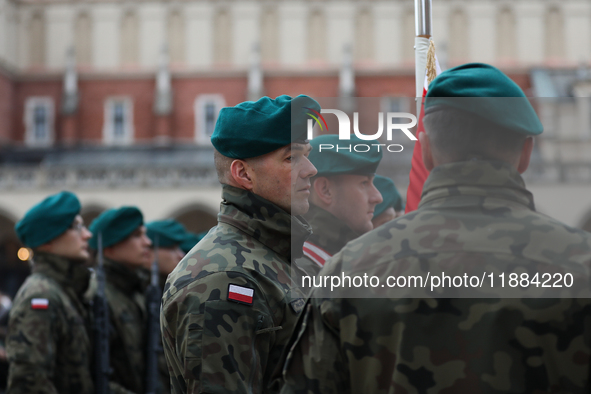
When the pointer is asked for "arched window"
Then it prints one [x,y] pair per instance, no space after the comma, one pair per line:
[207,108]
[129,39]
[506,36]
[222,38]
[408,34]
[554,35]
[37,40]
[458,37]
[176,37]
[364,36]
[316,36]
[83,40]
[269,35]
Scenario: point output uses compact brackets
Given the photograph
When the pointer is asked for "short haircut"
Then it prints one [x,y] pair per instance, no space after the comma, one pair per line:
[457,135]
[222,166]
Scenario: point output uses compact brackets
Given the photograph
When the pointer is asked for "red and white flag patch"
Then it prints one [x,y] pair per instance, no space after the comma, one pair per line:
[316,253]
[240,294]
[39,303]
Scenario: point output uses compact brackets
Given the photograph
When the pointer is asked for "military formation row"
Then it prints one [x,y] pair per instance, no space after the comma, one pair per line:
[232,320]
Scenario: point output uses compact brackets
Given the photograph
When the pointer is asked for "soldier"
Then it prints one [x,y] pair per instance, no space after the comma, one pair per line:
[475,212]
[391,207]
[342,199]
[227,309]
[48,344]
[167,237]
[127,253]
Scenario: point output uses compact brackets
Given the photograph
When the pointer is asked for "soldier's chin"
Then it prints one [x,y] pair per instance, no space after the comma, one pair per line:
[300,207]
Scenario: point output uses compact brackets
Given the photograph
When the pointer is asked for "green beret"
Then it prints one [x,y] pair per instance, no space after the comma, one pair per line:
[115,224]
[48,219]
[485,91]
[168,233]
[330,161]
[192,239]
[252,129]
[389,193]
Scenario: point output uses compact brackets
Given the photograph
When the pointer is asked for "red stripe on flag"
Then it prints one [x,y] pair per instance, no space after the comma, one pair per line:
[418,173]
[240,297]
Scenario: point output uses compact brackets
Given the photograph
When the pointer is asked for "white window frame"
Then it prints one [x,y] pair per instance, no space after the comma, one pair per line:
[29,119]
[199,110]
[128,129]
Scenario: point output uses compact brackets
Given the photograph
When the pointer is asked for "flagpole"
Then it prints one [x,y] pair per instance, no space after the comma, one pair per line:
[423,31]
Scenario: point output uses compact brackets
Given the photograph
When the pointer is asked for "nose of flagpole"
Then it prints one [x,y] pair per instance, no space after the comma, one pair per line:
[423,21]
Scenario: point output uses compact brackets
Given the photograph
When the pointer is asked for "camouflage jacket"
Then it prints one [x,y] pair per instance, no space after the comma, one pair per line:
[475,212]
[48,343]
[227,311]
[127,313]
[329,236]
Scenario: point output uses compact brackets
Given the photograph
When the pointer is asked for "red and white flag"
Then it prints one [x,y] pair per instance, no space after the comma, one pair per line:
[39,303]
[418,173]
[240,294]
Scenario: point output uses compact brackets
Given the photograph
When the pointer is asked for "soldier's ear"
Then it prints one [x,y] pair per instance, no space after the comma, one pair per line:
[323,190]
[240,172]
[526,150]
[426,151]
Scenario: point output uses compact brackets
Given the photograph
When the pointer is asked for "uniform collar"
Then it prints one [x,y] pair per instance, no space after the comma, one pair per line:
[330,232]
[264,221]
[68,273]
[476,178]
[128,280]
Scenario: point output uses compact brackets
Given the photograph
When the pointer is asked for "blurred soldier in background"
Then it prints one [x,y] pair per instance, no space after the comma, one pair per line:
[391,207]
[127,253]
[227,312]
[342,199]
[192,239]
[48,343]
[167,237]
[475,210]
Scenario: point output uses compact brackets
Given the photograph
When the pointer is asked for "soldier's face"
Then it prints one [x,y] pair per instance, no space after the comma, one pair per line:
[355,198]
[73,244]
[134,251]
[168,258]
[283,177]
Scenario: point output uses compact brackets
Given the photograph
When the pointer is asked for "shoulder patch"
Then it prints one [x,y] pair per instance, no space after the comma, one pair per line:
[240,294]
[39,303]
[298,305]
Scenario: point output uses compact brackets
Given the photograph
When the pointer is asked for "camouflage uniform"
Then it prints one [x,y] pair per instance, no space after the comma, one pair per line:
[127,313]
[49,349]
[330,234]
[471,212]
[213,344]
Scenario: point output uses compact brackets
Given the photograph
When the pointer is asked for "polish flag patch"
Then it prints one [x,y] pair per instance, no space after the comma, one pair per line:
[39,303]
[241,294]
[316,253]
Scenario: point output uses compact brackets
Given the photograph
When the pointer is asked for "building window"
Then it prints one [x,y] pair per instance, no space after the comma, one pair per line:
[207,108]
[118,126]
[39,119]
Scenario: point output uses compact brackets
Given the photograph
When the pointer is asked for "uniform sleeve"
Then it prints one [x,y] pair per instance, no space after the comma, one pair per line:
[33,335]
[314,362]
[214,344]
